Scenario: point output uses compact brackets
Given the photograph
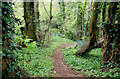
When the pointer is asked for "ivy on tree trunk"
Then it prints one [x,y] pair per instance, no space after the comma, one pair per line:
[111,47]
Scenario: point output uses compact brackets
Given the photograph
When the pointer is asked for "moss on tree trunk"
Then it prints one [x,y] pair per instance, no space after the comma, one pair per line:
[29,16]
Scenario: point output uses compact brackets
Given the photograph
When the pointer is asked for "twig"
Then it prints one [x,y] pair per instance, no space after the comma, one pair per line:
[110,57]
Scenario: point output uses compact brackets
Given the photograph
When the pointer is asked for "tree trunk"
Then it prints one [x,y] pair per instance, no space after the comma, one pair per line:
[63,4]
[37,14]
[89,12]
[111,47]
[63,15]
[83,13]
[62,9]
[5,59]
[92,33]
[79,22]
[37,20]
[29,16]
[9,65]
[50,11]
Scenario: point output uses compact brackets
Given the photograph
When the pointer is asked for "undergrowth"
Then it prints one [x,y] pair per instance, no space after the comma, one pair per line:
[37,61]
[90,65]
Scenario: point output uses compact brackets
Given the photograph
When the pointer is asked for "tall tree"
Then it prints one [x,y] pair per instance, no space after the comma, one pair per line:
[51,11]
[37,14]
[89,12]
[92,32]
[62,15]
[5,59]
[29,16]
[9,65]
[83,14]
[79,21]
[36,6]
[7,25]
[111,47]
[62,9]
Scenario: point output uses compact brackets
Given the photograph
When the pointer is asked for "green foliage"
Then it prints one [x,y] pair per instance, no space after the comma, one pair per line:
[85,63]
[70,34]
[59,40]
[55,32]
[89,65]
[37,60]
[8,20]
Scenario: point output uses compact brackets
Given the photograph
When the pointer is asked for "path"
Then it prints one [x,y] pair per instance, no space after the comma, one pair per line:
[62,70]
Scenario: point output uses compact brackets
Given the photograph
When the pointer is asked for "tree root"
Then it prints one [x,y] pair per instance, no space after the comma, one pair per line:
[86,47]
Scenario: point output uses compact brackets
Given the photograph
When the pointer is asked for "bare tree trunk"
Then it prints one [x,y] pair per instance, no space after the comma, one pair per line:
[92,33]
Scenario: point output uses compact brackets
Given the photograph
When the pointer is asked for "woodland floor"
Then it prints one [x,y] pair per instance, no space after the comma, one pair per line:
[61,69]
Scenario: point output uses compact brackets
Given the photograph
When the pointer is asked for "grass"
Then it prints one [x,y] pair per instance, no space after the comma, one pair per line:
[59,40]
[36,60]
[90,64]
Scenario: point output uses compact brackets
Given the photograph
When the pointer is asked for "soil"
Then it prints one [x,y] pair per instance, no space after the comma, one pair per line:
[63,70]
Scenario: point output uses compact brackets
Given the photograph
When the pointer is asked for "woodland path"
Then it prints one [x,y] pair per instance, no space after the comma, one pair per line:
[62,70]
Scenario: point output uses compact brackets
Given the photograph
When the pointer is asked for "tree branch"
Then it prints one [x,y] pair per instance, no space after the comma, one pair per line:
[45,9]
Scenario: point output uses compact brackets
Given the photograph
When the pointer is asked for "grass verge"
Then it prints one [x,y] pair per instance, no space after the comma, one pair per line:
[90,65]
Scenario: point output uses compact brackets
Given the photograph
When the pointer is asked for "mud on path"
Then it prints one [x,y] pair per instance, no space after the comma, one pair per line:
[62,70]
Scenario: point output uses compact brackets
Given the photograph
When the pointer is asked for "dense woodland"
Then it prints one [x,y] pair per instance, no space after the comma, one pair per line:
[32,31]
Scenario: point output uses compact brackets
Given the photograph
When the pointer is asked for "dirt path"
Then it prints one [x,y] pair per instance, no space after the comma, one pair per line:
[62,70]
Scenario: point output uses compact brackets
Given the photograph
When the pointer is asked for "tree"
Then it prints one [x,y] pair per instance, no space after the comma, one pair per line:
[89,12]
[6,47]
[37,20]
[62,9]
[79,22]
[85,48]
[37,14]
[63,4]
[111,47]
[9,65]
[30,23]
[83,21]
[50,11]
[62,16]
